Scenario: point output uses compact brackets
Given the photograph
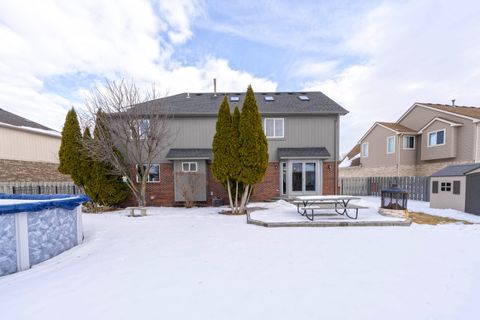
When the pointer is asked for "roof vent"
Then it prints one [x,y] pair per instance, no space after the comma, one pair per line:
[234,99]
[269,98]
[453,102]
[188,95]
[304,98]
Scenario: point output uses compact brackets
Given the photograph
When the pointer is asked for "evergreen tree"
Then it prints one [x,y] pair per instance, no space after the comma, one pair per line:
[70,153]
[221,143]
[87,162]
[104,187]
[253,147]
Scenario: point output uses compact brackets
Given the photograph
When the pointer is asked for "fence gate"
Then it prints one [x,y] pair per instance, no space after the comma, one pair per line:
[417,187]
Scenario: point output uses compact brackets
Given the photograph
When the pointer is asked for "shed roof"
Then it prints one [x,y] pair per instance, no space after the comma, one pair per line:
[17,121]
[184,154]
[285,153]
[456,170]
[208,103]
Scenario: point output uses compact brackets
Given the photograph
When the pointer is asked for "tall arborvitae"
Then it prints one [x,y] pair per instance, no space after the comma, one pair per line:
[253,147]
[86,160]
[234,165]
[221,143]
[70,153]
[104,187]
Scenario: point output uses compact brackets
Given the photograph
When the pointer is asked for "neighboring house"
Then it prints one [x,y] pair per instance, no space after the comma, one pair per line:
[456,187]
[302,130]
[28,150]
[425,139]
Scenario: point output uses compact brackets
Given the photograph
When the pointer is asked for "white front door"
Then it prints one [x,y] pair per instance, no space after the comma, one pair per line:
[303,177]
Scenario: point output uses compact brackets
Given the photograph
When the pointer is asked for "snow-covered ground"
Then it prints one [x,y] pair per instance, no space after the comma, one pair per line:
[196,264]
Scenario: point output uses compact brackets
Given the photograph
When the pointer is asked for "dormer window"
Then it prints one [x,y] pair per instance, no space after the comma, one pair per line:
[436,138]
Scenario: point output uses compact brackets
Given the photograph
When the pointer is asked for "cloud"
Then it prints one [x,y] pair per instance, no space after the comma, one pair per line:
[410,51]
[51,41]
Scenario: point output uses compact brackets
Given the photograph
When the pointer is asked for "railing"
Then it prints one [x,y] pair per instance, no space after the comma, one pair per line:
[418,187]
[39,188]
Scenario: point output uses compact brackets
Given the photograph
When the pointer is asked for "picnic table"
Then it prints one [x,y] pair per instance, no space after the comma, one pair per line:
[341,205]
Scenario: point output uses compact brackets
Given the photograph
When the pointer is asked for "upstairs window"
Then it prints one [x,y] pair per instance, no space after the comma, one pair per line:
[140,129]
[273,127]
[189,167]
[364,150]
[436,138]
[391,144]
[408,142]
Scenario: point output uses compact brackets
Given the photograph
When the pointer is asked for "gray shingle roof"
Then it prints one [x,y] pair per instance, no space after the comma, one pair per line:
[284,103]
[321,152]
[189,154]
[14,120]
[456,170]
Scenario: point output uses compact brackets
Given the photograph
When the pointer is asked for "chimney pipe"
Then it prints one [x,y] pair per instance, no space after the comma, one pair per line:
[214,87]
[453,102]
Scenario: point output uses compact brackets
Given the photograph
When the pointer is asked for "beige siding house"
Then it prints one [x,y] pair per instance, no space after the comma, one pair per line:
[425,139]
[28,150]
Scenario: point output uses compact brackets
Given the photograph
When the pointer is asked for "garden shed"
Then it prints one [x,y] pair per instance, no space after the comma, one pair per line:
[456,187]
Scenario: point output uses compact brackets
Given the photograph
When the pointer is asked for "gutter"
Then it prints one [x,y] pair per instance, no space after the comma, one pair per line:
[53,133]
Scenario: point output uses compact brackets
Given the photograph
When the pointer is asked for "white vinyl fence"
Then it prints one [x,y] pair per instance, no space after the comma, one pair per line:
[39,188]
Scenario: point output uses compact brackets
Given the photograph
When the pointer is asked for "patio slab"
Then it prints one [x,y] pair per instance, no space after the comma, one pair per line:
[284,214]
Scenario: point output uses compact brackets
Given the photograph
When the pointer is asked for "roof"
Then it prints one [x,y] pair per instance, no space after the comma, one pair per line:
[392,126]
[456,170]
[17,121]
[184,154]
[284,153]
[450,122]
[473,112]
[283,103]
[398,128]
[352,153]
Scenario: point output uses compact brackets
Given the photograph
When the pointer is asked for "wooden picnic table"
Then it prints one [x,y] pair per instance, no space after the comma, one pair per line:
[339,203]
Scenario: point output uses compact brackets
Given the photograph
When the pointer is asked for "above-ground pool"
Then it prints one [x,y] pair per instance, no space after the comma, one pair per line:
[34,228]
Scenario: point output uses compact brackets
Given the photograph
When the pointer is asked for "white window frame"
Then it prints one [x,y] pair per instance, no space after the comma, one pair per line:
[394,144]
[190,163]
[404,140]
[148,177]
[364,154]
[436,131]
[274,124]
[137,128]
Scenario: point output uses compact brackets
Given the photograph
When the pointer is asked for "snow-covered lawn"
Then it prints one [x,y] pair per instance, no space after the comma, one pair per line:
[196,264]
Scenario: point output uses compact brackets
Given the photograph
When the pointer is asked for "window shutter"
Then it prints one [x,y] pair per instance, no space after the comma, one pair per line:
[456,187]
[435,187]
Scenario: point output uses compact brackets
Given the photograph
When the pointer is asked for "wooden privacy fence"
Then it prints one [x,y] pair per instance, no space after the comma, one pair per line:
[418,187]
[39,188]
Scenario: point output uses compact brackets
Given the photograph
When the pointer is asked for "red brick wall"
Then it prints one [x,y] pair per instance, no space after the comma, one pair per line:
[158,193]
[265,190]
[328,178]
[270,186]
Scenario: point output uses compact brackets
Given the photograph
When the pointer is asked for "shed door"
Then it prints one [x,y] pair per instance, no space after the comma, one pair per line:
[472,200]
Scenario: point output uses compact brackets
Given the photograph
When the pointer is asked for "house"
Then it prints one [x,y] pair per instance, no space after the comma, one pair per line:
[425,139]
[28,150]
[302,131]
[456,187]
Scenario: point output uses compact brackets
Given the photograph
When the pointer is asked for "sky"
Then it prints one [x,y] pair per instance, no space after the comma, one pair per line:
[374,58]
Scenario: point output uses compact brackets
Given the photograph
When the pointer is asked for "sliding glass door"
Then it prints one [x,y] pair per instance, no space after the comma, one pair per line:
[304,176]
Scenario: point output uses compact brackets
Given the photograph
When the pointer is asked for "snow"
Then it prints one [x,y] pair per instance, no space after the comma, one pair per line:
[196,264]
[282,211]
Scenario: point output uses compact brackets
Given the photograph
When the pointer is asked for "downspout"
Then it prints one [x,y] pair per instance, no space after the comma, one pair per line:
[477,158]
[335,148]
[400,136]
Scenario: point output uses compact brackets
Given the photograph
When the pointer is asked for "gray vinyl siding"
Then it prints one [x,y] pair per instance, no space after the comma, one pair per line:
[193,183]
[299,131]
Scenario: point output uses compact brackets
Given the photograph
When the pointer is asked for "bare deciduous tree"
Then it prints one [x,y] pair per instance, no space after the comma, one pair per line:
[131,131]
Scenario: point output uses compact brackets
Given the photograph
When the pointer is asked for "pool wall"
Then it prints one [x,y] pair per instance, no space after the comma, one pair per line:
[34,231]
